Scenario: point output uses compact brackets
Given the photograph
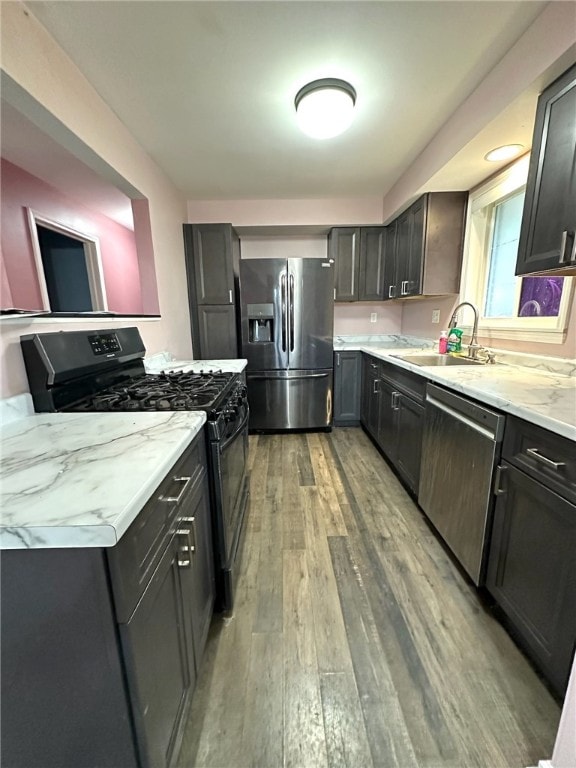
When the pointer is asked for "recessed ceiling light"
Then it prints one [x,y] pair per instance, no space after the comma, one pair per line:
[503,153]
[325,108]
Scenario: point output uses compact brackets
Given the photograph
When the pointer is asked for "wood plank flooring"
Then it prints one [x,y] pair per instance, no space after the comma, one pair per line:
[356,642]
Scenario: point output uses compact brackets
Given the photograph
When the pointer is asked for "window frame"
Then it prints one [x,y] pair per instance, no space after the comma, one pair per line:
[92,256]
[475,264]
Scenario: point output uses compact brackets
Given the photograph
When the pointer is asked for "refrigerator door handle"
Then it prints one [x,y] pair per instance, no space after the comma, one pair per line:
[291,303]
[283,302]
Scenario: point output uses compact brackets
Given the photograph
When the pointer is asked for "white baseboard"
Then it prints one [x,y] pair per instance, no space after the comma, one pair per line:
[545,764]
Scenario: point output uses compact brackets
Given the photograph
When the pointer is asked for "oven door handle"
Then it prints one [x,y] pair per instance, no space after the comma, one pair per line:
[235,434]
[280,377]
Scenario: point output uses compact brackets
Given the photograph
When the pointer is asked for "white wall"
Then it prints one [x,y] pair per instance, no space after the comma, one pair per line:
[51,83]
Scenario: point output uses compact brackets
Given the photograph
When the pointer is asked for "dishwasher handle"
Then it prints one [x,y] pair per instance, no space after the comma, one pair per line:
[482,420]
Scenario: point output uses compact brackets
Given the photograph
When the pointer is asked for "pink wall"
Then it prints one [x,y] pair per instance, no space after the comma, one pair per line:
[327,212]
[117,244]
[417,321]
[354,318]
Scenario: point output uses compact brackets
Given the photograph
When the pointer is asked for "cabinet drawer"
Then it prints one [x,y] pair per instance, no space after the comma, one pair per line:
[545,456]
[133,560]
[409,383]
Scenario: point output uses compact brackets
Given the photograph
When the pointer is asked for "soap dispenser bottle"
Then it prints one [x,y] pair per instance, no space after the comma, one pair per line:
[443,343]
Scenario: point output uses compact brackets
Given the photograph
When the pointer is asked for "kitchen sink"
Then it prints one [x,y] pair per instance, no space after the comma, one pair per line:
[437,360]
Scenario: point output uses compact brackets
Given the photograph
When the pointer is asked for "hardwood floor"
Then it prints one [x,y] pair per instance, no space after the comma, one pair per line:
[356,642]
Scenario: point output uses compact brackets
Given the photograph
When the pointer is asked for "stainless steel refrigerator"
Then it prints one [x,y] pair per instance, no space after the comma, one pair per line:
[287,324]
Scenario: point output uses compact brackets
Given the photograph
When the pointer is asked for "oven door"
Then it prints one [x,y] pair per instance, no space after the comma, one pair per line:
[230,461]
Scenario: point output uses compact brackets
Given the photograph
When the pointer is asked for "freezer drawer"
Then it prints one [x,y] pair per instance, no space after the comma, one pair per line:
[290,399]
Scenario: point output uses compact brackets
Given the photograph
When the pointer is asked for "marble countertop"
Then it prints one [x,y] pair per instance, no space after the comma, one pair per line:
[165,362]
[546,398]
[79,480]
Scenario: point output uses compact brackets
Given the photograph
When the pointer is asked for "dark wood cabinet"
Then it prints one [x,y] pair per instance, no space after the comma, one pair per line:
[410,414]
[344,249]
[392,412]
[217,331]
[429,239]
[212,253]
[101,647]
[370,401]
[347,387]
[391,290]
[359,255]
[159,663]
[401,412]
[548,230]
[372,263]
[531,565]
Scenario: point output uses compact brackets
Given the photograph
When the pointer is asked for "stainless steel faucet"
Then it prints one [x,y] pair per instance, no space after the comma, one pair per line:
[473,347]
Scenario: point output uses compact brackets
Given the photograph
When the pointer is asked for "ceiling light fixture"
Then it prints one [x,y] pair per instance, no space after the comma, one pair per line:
[503,153]
[325,108]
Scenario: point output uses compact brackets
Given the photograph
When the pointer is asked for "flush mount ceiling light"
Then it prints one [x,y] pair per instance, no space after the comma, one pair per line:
[325,108]
[503,153]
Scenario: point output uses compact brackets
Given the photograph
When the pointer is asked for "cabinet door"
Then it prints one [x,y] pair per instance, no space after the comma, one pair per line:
[531,570]
[370,395]
[390,287]
[160,664]
[547,234]
[413,271]
[197,571]
[403,254]
[218,337]
[372,261]
[388,419]
[213,263]
[344,248]
[409,446]
[347,387]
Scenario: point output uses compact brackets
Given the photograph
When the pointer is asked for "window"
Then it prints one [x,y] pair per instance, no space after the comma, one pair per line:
[530,308]
[68,265]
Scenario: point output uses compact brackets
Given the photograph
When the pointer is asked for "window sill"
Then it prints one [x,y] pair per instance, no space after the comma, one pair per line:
[542,335]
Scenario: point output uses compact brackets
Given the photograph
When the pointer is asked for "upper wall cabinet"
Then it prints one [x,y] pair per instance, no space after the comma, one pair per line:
[547,236]
[359,256]
[428,240]
[212,264]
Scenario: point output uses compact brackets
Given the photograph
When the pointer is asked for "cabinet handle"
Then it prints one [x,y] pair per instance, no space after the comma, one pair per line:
[395,401]
[337,358]
[334,294]
[176,499]
[230,296]
[555,465]
[497,490]
[404,288]
[567,237]
[391,291]
[185,562]
[375,387]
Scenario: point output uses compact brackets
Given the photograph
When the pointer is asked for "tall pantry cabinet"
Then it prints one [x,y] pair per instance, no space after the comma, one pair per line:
[212,253]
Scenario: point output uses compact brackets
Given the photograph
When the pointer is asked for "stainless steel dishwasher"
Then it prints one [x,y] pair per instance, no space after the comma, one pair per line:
[460,448]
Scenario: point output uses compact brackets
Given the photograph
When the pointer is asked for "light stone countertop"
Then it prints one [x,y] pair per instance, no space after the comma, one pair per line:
[79,480]
[531,393]
[165,362]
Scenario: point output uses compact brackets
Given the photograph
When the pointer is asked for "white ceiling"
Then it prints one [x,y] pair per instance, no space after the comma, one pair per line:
[207,88]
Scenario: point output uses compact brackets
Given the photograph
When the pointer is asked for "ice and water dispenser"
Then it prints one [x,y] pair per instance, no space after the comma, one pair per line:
[260,322]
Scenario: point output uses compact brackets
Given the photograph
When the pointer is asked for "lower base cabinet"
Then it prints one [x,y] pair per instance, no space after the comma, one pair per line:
[392,413]
[532,559]
[101,647]
[347,388]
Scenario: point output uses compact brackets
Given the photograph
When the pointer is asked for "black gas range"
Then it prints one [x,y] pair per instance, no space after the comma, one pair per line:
[103,371]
